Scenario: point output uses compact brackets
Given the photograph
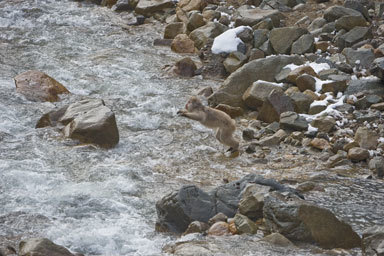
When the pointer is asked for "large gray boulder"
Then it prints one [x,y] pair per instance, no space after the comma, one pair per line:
[301,221]
[305,44]
[365,86]
[335,12]
[360,57]
[204,34]
[355,35]
[275,104]
[247,16]
[282,38]
[88,121]
[237,83]
[258,92]
[350,21]
[41,247]
[178,209]
[148,7]
[373,241]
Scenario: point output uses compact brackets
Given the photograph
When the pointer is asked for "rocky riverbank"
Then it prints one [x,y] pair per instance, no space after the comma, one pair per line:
[304,81]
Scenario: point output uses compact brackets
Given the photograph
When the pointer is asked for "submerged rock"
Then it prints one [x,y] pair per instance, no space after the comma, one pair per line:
[300,221]
[42,247]
[38,86]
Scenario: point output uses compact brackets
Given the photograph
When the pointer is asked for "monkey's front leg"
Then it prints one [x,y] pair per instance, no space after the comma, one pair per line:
[197,116]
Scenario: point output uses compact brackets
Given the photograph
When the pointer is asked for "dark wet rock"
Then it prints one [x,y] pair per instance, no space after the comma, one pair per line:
[324,123]
[247,16]
[252,201]
[203,34]
[305,44]
[185,67]
[301,102]
[196,227]
[367,138]
[219,228]
[257,93]
[357,154]
[300,221]
[350,21]
[335,12]
[179,208]
[275,104]
[42,246]
[277,240]
[306,82]
[373,241]
[377,68]
[292,121]
[182,44]
[88,121]
[148,7]
[360,57]
[282,38]
[365,86]
[355,35]
[162,42]
[244,225]
[344,67]
[173,29]
[237,83]
[234,61]
[195,21]
[260,36]
[249,134]
[38,86]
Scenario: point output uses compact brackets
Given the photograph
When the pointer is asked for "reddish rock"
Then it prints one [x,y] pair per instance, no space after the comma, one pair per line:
[183,44]
[38,86]
[319,143]
[220,228]
[294,74]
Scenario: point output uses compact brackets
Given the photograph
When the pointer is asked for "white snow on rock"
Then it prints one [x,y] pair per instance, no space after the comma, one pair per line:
[317,67]
[228,41]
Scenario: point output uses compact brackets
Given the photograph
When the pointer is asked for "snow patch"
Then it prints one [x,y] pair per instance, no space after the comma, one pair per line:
[228,41]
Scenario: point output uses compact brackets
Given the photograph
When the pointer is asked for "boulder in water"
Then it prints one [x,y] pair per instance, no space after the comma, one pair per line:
[42,246]
[38,86]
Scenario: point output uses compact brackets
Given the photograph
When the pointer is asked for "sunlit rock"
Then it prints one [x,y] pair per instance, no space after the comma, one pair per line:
[88,121]
[38,86]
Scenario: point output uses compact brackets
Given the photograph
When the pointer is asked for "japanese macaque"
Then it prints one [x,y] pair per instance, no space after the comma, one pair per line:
[212,118]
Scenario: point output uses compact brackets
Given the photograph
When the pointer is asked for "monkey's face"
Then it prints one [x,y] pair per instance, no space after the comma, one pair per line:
[193,104]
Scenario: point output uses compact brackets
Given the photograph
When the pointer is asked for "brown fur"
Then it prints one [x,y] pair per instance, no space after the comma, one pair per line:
[212,118]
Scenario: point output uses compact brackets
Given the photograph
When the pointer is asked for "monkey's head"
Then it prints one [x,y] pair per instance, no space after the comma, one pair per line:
[194,103]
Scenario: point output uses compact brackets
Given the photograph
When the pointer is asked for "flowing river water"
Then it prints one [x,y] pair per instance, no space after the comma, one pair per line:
[102,202]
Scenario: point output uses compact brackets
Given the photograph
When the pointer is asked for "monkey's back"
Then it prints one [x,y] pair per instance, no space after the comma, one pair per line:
[217,118]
